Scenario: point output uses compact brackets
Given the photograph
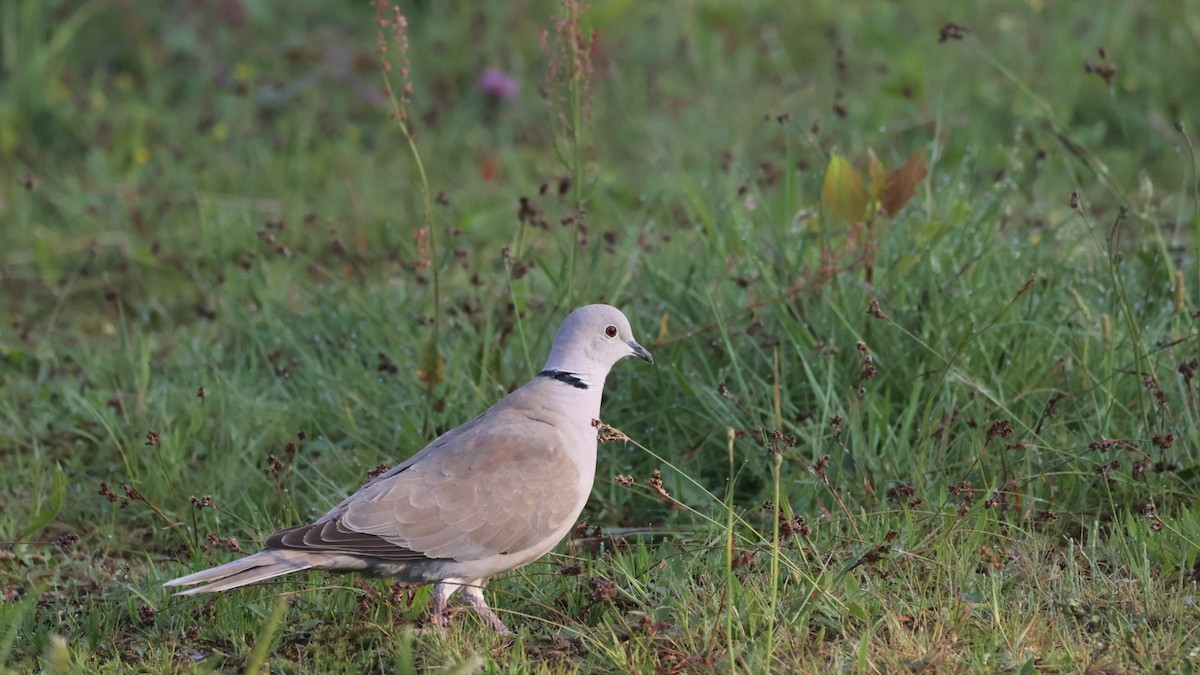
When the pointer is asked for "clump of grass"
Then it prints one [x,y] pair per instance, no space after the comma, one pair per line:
[392,41]
[570,75]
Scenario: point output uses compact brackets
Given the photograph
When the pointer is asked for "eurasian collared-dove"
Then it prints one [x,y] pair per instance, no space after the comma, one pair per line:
[489,496]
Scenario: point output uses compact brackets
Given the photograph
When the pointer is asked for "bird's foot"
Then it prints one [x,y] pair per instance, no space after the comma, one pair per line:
[497,625]
[474,595]
[440,621]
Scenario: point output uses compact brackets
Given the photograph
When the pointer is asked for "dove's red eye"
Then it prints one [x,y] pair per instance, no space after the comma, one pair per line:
[611,331]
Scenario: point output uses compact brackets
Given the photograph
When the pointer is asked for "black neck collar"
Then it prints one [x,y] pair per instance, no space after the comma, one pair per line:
[564,377]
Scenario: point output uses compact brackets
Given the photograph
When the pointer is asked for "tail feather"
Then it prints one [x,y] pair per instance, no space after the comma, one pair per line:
[244,571]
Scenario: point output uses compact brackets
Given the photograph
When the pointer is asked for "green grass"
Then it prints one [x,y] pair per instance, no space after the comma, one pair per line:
[211,197]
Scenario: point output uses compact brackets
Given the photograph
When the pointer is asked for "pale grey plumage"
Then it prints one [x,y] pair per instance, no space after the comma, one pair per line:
[489,496]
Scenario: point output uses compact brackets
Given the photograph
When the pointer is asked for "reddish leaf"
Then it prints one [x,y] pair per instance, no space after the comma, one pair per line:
[902,183]
[843,191]
[487,168]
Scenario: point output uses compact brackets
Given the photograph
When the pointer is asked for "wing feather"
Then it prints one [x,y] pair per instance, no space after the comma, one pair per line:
[498,484]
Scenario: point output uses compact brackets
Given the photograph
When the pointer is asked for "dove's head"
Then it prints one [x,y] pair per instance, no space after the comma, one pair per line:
[592,339]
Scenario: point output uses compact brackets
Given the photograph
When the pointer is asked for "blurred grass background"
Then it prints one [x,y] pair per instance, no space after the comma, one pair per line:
[211,231]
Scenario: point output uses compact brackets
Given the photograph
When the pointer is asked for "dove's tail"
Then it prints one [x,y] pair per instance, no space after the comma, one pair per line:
[249,570]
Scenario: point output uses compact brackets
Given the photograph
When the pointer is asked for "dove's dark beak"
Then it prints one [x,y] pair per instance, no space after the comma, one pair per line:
[640,351]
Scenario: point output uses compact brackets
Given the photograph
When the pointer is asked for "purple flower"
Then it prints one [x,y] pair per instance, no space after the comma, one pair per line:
[499,85]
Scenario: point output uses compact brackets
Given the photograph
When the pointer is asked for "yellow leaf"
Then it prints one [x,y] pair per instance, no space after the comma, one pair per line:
[432,369]
[877,176]
[843,191]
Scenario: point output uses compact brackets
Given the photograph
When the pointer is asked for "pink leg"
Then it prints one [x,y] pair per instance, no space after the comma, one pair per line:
[474,595]
[441,597]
